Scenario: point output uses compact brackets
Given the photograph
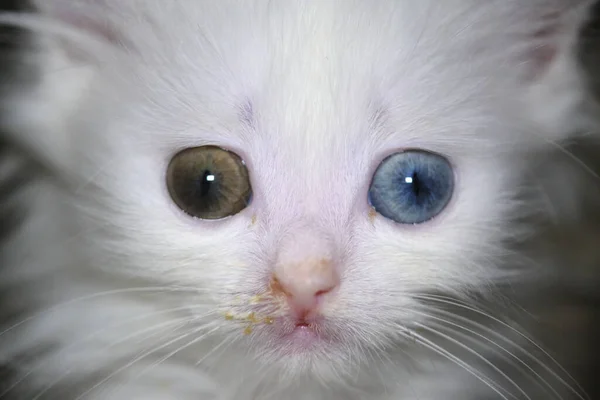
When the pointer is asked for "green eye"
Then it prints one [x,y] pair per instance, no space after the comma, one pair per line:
[209,182]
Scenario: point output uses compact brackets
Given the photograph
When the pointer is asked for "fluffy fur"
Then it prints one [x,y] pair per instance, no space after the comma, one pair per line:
[136,300]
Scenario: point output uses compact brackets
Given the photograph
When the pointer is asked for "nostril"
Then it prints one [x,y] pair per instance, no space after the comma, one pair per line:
[306,283]
[322,292]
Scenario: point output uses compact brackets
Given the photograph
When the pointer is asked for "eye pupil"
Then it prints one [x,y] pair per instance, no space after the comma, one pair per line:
[414,183]
[208,182]
[411,187]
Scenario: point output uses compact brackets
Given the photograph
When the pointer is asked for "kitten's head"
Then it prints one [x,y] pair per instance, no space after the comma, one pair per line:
[309,171]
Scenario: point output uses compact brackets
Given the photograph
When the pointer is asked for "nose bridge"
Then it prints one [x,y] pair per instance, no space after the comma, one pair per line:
[310,197]
[304,242]
[312,155]
[319,188]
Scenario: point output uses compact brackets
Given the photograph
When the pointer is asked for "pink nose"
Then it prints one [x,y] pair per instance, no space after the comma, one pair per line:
[305,283]
[305,270]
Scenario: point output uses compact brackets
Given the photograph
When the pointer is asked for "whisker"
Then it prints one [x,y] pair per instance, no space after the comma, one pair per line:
[137,359]
[476,354]
[579,392]
[88,180]
[93,296]
[526,353]
[104,329]
[478,335]
[448,355]
[174,352]
[575,159]
[214,349]
[180,323]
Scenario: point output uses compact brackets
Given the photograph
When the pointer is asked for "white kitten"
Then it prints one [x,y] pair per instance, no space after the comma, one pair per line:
[352,168]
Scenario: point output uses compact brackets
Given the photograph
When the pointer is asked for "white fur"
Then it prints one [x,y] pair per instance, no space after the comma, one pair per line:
[334,86]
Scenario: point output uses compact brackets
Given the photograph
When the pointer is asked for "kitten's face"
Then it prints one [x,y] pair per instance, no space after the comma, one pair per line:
[313,246]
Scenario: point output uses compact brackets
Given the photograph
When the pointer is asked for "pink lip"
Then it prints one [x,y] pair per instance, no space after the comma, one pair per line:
[302,337]
[299,336]
[304,329]
[298,333]
[300,328]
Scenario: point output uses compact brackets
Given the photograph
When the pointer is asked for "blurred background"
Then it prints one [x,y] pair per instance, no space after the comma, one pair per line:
[569,324]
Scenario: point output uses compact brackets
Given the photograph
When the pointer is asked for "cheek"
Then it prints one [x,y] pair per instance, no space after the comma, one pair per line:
[211,260]
[131,218]
[455,252]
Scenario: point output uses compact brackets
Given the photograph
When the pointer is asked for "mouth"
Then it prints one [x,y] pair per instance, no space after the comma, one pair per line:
[302,324]
[306,330]
[290,333]
[300,336]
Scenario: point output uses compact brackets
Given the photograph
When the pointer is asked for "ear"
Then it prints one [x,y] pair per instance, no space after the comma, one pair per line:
[556,88]
[70,40]
[554,30]
[88,22]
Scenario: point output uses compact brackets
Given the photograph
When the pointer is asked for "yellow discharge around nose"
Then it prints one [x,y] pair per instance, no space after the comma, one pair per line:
[251,318]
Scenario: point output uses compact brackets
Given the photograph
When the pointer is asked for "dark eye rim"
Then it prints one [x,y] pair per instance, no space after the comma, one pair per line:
[190,217]
[449,203]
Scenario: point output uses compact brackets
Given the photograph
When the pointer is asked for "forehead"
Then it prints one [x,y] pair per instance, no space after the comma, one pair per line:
[312,94]
[314,83]
[300,69]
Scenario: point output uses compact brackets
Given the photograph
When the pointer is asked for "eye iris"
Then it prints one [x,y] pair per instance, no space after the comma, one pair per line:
[208,182]
[412,187]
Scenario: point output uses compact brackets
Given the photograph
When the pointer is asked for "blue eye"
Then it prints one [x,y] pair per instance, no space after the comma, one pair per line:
[412,187]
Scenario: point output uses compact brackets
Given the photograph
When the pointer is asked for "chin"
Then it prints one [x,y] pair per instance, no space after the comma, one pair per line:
[316,349]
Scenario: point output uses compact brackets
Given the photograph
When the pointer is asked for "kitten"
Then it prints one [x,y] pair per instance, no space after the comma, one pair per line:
[285,199]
